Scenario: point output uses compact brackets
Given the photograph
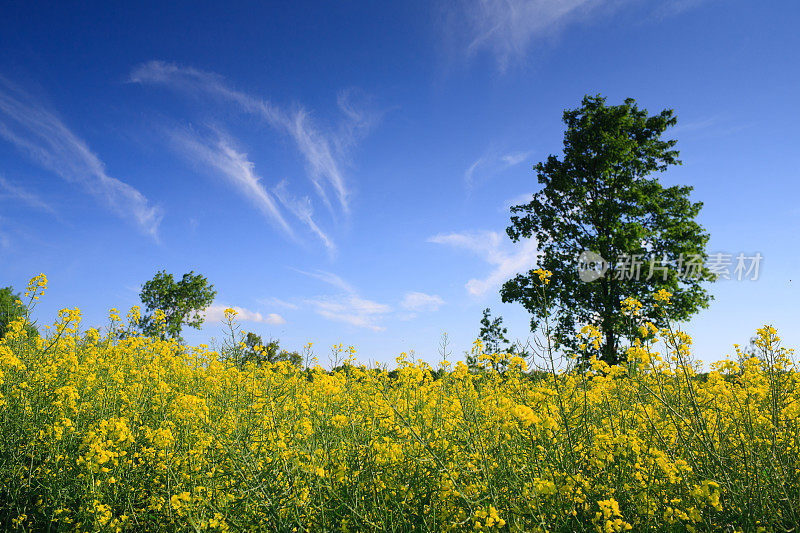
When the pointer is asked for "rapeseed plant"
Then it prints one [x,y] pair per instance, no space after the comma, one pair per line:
[119,432]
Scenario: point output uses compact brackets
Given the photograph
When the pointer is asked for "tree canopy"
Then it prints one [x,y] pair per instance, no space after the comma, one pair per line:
[608,230]
[493,338]
[258,352]
[182,303]
[11,308]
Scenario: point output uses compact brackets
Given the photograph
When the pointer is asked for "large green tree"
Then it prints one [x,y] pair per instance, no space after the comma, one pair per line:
[182,302]
[599,199]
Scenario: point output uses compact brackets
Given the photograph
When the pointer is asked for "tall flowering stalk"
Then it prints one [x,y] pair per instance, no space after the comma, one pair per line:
[101,431]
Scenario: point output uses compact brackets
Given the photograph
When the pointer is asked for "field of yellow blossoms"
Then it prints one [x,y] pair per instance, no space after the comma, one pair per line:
[114,431]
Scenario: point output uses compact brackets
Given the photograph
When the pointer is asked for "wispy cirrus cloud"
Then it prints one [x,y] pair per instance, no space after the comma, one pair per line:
[496,250]
[216,313]
[507,29]
[491,164]
[360,118]
[41,135]
[520,199]
[304,211]
[277,302]
[705,128]
[347,306]
[420,301]
[222,156]
[351,309]
[15,192]
[330,278]
[325,152]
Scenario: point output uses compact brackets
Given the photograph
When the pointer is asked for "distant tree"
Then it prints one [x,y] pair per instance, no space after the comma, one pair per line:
[492,333]
[257,352]
[11,308]
[599,199]
[493,337]
[751,350]
[182,302]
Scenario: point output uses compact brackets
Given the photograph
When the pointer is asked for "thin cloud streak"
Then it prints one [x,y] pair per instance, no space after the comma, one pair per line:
[492,248]
[507,28]
[349,307]
[323,152]
[320,161]
[304,211]
[329,278]
[419,301]
[711,127]
[469,174]
[522,199]
[41,135]
[216,313]
[18,193]
[222,156]
[490,165]
[277,302]
[514,158]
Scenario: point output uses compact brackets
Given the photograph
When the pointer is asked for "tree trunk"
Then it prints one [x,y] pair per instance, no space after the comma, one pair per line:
[609,348]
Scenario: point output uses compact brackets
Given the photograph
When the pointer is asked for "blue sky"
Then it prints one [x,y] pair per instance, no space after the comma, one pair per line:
[342,172]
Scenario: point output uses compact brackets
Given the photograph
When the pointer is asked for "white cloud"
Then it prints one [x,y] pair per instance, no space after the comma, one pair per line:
[348,307]
[325,153]
[490,165]
[216,313]
[361,118]
[18,193]
[329,278]
[507,28]
[514,158]
[320,159]
[524,198]
[419,301]
[303,210]
[695,125]
[41,135]
[710,127]
[507,259]
[277,302]
[352,310]
[221,155]
[469,175]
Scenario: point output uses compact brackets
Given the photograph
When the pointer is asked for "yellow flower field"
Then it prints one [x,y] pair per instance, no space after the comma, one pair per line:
[118,432]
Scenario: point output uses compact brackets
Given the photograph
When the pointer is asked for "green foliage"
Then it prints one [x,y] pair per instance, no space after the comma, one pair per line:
[493,336]
[99,433]
[182,302]
[492,333]
[11,308]
[256,351]
[599,197]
